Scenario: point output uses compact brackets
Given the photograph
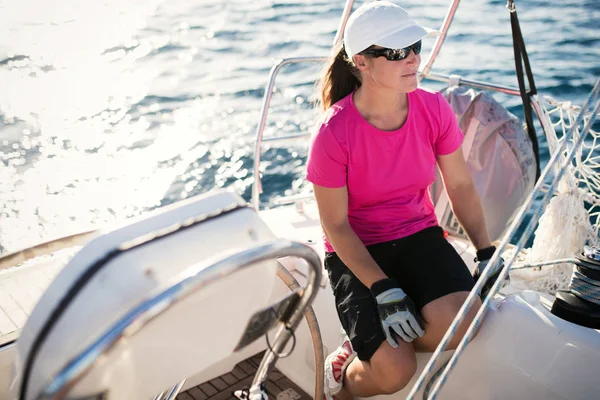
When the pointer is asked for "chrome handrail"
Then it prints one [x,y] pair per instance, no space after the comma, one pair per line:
[285,331]
[286,137]
[256,185]
[474,84]
[440,40]
[170,394]
[315,333]
[339,35]
[188,282]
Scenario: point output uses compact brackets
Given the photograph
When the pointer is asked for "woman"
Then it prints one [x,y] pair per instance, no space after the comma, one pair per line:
[397,282]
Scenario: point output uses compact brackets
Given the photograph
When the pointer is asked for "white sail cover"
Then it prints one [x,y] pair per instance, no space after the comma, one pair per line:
[499,155]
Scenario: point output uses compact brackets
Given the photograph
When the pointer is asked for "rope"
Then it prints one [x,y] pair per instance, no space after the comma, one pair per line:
[433,380]
[585,287]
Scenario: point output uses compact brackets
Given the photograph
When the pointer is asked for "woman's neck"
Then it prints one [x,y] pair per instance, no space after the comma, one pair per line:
[385,109]
[380,102]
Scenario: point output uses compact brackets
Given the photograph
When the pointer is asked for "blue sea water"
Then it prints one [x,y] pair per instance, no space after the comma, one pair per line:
[110,109]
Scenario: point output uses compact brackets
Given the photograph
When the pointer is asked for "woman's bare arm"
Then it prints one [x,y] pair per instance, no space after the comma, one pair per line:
[464,197]
[333,211]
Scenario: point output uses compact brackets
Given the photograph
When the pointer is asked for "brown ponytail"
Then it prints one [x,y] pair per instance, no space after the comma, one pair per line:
[340,78]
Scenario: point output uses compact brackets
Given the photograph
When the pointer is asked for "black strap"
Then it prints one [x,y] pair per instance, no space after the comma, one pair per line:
[383,285]
[485,254]
[521,59]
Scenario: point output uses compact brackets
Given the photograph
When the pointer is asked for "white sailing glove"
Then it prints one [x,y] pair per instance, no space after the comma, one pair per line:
[396,312]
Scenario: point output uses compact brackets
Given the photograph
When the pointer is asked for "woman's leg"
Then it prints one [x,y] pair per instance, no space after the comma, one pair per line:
[378,368]
[434,275]
[438,315]
[388,371]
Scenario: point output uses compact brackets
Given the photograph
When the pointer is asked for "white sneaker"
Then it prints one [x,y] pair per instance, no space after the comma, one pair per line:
[335,367]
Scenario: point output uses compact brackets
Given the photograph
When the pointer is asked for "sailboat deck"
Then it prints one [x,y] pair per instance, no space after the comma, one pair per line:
[278,386]
[22,286]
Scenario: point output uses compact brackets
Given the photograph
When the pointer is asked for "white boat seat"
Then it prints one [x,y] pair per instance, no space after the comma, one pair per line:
[118,271]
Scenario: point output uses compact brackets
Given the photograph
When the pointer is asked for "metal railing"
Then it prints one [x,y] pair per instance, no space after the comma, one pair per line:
[339,35]
[472,83]
[188,283]
[171,393]
[440,40]
[256,186]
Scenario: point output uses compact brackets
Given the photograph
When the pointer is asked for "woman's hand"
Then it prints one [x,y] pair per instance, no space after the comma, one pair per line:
[396,312]
[483,258]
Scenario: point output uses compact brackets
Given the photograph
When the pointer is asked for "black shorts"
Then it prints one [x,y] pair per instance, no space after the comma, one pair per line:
[424,265]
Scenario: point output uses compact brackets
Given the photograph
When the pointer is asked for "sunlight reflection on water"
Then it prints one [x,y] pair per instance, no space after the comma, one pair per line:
[109,109]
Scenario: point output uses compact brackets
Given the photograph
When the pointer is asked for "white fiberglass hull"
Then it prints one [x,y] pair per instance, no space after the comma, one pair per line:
[522,350]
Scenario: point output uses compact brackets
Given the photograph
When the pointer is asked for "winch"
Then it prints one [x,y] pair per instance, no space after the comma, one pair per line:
[580,303]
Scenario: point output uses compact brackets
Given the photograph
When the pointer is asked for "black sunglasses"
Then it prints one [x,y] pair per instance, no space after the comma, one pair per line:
[393,54]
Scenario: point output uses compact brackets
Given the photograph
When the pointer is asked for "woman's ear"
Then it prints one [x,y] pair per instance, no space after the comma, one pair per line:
[360,61]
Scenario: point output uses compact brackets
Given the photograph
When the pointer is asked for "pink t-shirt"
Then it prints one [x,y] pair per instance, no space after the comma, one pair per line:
[388,173]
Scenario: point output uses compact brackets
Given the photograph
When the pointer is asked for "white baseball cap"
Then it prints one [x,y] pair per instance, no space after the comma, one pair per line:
[383,24]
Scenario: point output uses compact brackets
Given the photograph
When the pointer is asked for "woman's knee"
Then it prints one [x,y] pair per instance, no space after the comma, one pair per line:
[394,383]
[439,315]
[394,368]
[464,326]
[471,316]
